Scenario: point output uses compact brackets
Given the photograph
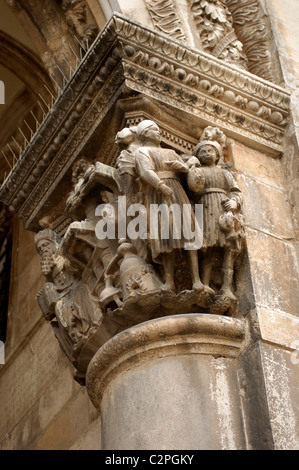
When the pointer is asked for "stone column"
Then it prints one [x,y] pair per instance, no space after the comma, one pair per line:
[170,383]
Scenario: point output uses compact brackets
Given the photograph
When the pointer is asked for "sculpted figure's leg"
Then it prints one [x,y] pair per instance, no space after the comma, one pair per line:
[168,264]
[194,270]
[206,270]
[228,274]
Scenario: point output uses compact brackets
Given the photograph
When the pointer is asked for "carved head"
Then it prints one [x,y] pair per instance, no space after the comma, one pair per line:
[208,152]
[148,132]
[47,244]
[211,146]
[79,169]
[126,136]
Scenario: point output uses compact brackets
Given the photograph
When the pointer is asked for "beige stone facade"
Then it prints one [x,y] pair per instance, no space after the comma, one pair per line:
[76,75]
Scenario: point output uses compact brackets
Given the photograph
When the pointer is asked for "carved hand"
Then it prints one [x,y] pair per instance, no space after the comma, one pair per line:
[178,166]
[230,205]
[166,190]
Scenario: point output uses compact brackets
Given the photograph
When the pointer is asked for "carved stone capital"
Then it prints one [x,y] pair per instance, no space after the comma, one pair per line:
[124,60]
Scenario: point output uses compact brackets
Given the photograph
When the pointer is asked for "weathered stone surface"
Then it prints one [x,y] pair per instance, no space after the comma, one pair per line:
[161,384]
[41,406]
[266,208]
[255,164]
[279,328]
[275,284]
[282,382]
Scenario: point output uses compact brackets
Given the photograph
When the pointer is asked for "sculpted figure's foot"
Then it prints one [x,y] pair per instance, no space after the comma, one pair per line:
[227,293]
[168,286]
[198,286]
[209,290]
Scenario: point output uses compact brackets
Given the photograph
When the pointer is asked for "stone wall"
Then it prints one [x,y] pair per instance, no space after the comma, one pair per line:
[42,407]
[268,364]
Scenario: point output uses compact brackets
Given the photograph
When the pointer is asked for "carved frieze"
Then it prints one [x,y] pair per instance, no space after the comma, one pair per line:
[254,33]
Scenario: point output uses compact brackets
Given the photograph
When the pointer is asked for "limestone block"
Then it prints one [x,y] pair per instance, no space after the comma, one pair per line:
[136,10]
[284,18]
[69,425]
[274,271]
[257,165]
[91,440]
[29,376]
[279,328]
[282,383]
[266,208]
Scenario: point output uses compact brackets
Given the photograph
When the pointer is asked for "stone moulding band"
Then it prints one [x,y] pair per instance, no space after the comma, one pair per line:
[184,334]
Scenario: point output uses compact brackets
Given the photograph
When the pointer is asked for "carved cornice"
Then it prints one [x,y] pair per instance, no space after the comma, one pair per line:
[127,58]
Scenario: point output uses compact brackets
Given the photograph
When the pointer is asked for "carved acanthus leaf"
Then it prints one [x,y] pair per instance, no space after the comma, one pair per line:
[165,18]
[252,30]
[215,28]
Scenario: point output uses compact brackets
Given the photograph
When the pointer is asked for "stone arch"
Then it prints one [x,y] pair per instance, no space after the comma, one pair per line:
[20,60]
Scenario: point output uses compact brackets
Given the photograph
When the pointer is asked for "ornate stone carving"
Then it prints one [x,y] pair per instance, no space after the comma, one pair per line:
[127,59]
[223,224]
[252,29]
[215,27]
[165,18]
[65,299]
[75,14]
[113,269]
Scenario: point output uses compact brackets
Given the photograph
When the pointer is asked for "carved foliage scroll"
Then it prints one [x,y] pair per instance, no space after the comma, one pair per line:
[165,18]
[252,30]
[215,27]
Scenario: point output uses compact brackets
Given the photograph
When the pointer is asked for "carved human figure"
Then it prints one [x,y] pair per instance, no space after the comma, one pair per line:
[126,139]
[160,168]
[65,295]
[221,199]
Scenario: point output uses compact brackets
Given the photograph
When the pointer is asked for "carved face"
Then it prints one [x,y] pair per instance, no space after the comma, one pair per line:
[46,249]
[151,134]
[208,155]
